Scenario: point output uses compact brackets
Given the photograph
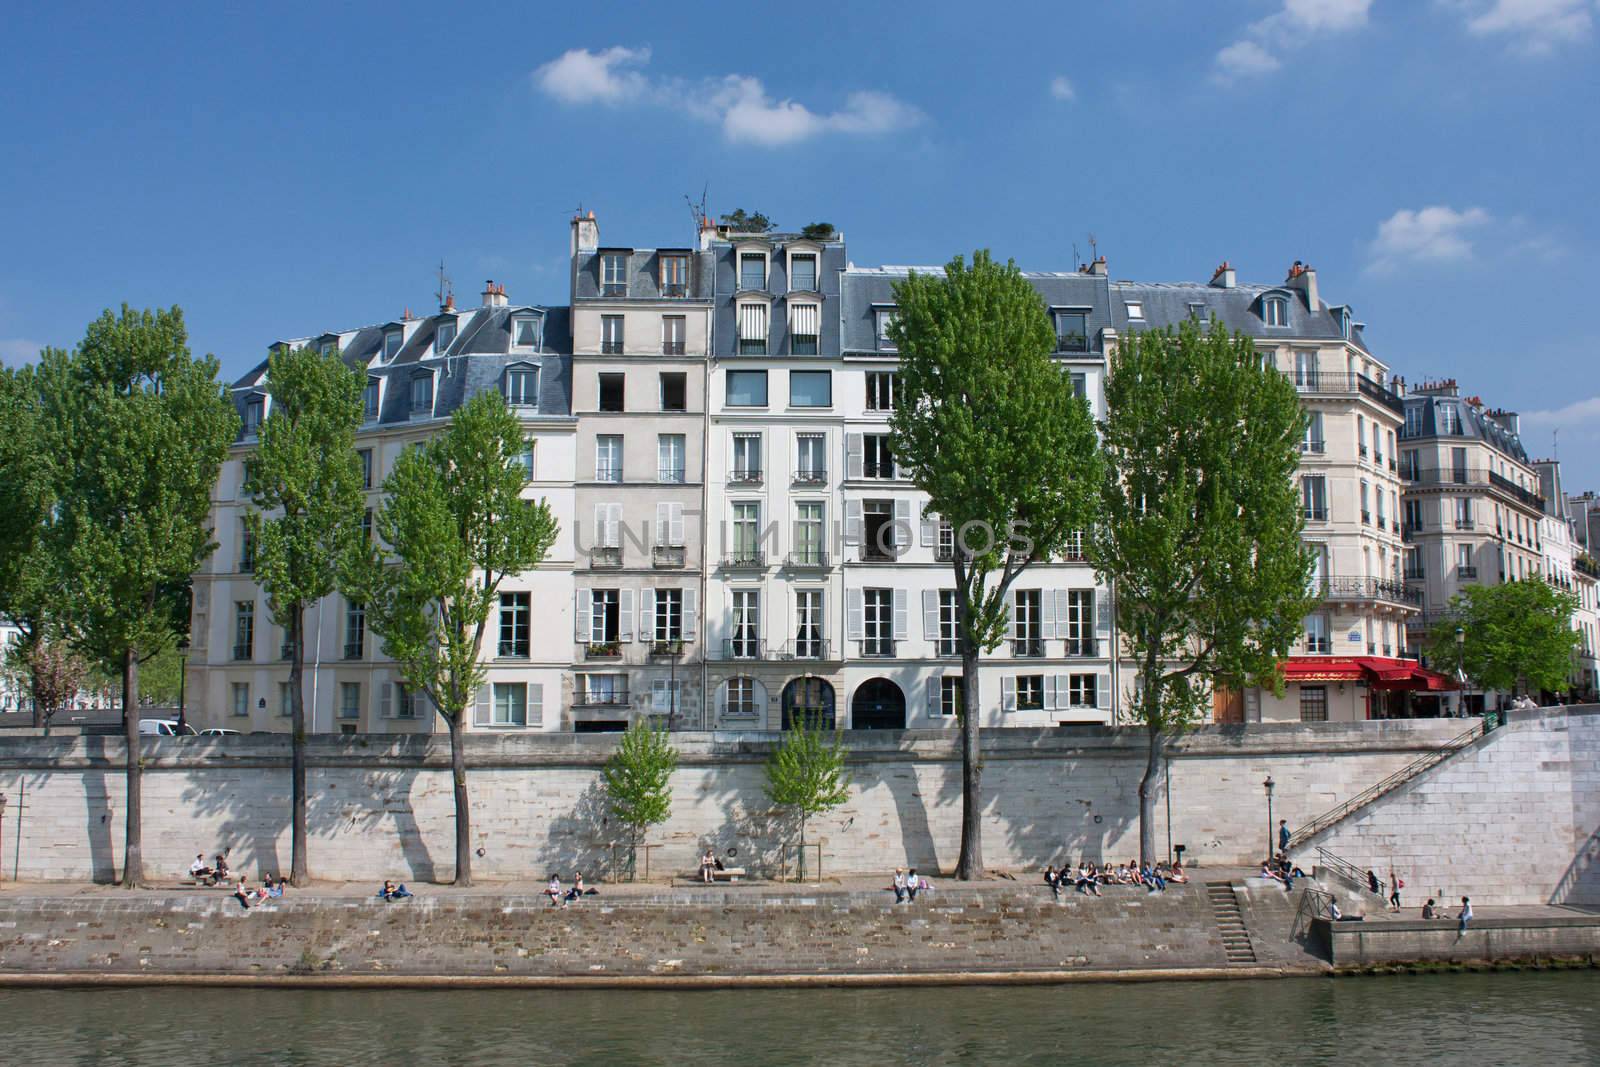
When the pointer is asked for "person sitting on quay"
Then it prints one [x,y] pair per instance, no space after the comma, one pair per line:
[1053,881]
[1176,874]
[1464,917]
[913,884]
[392,892]
[274,889]
[1153,879]
[198,870]
[219,868]
[553,890]
[1085,882]
[1429,911]
[899,885]
[708,867]
[577,891]
[247,896]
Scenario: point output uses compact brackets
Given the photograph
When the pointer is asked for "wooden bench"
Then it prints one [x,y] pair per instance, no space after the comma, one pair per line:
[727,874]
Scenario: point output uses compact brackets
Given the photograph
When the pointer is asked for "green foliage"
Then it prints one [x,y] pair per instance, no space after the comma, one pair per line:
[817,231]
[753,222]
[806,774]
[638,777]
[305,479]
[456,525]
[1518,634]
[159,676]
[27,581]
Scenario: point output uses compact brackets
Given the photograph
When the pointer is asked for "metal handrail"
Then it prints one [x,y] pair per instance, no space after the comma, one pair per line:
[1372,792]
[1341,866]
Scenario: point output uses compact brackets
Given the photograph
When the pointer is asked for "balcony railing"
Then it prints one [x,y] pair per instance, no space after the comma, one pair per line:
[1477,476]
[745,476]
[1319,514]
[605,558]
[1586,565]
[1415,574]
[1083,647]
[613,697]
[1318,447]
[745,648]
[876,647]
[670,475]
[1366,518]
[1463,571]
[243,652]
[1029,647]
[1352,588]
[354,649]
[672,348]
[1072,342]
[603,650]
[814,559]
[513,649]
[809,648]
[1361,450]
[668,649]
[947,553]
[1311,381]
[742,559]
[1464,524]
[1319,645]
[612,475]
[674,289]
[811,476]
[611,348]
[667,556]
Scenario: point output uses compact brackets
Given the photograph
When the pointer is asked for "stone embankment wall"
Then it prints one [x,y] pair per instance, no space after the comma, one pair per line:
[381,806]
[1513,820]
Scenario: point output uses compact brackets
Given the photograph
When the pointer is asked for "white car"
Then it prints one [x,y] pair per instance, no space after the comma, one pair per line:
[217,731]
[165,728]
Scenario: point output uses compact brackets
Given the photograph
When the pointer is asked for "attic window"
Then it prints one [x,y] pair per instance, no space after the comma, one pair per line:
[614,274]
[1275,311]
[675,275]
[422,394]
[252,414]
[1197,310]
[525,331]
[369,399]
[391,343]
[1072,331]
[522,386]
[1344,323]
[885,317]
[445,337]
[1135,309]
[328,348]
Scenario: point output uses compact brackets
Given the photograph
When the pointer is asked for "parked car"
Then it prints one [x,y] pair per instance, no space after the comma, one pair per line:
[217,731]
[165,728]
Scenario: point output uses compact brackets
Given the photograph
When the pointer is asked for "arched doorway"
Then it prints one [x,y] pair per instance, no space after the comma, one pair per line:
[808,699]
[878,705]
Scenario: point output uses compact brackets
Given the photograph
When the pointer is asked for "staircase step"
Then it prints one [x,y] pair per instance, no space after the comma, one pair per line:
[1231,928]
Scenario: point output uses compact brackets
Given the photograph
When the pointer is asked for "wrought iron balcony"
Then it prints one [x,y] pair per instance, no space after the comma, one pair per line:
[744,648]
[1085,647]
[674,289]
[1072,342]
[603,697]
[811,476]
[814,559]
[1317,447]
[1319,646]
[603,650]
[876,647]
[513,649]
[672,348]
[744,559]
[1384,589]
[1027,647]
[243,652]
[1463,571]
[669,649]
[812,649]
[354,649]
[611,348]
[745,476]
[667,556]
[285,651]
[605,558]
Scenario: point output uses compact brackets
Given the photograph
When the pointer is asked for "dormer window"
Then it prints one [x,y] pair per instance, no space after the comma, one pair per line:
[1275,311]
[422,395]
[803,272]
[522,386]
[752,329]
[675,275]
[752,270]
[1072,331]
[614,274]
[1344,323]
[885,317]
[254,408]
[803,323]
[391,344]
[1135,310]
[328,348]
[369,398]
[445,337]
[525,331]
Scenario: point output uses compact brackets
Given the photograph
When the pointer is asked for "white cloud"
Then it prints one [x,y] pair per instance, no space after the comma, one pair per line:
[584,77]
[1533,27]
[1577,421]
[16,351]
[1256,52]
[1062,89]
[1436,234]
[739,103]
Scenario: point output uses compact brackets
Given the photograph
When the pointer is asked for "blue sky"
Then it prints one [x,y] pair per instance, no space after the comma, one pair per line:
[282,174]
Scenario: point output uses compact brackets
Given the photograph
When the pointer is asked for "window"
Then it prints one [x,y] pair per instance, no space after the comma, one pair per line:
[1081,691]
[252,415]
[1315,442]
[669,525]
[1026,630]
[747,389]
[608,458]
[614,274]
[808,533]
[1409,467]
[1366,515]
[742,696]
[669,615]
[950,694]
[605,617]
[811,464]
[1413,427]
[605,689]
[1313,703]
[244,629]
[877,459]
[1030,692]
[366,467]
[285,699]
[880,540]
[808,642]
[349,700]
[670,458]
[355,630]
[1458,466]
[1314,497]
[878,622]
[752,329]
[1464,513]
[752,270]
[422,394]
[1449,419]
[944,549]
[369,399]
[510,704]
[674,275]
[810,388]
[1413,563]
[1080,622]
[525,331]
[1135,310]
[1361,436]
[1072,331]
[1377,444]
[611,391]
[391,343]
[674,328]
[1305,369]
[1317,639]
[803,327]
[949,628]
[611,334]
[674,391]
[247,549]
[444,337]
[803,273]
[328,348]
[241,699]
[524,459]
[1275,311]
[881,387]
[745,546]
[522,387]
[366,525]
[885,317]
[1080,384]
[1379,502]
[746,457]
[745,642]
[516,613]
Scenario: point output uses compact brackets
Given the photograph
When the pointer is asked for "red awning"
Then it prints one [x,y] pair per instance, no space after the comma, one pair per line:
[1321,669]
[1386,670]
[1379,672]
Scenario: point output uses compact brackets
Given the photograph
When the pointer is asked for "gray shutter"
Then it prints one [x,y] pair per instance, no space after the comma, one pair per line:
[854,614]
[536,704]
[480,707]
[1011,613]
[1008,694]
[663,523]
[647,614]
[902,620]
[1102,690]
[852,522]
[933,698]
[583,607]
[600,531]
[902,526]
[691,608]
[675,525]
[930,614]
[1063,692]
[1062,613]
[1047,614]
[930,529]
[386,700]
[1102,617]
[625,615]
[853,452]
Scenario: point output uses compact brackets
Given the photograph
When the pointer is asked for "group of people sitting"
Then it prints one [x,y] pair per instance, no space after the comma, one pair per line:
[577,891]
[1088,877]
[270,890]
[907,883]
[392,892]
[1279,869]
[213,873]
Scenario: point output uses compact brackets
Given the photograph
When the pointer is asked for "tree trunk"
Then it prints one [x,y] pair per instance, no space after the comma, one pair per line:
[969,865]
[1147,794]
[800,868]
[458,775]
[299,870]
[133,857]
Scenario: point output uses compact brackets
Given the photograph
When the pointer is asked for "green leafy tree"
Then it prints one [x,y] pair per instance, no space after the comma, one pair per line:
[50,671]
[740,221]
[137,428]
[1200,526]
[456,525]
[806,774]
[817,231]
[1515,637]
[305,481]
[160,674]
[29,593]
[990,428]
[638,777]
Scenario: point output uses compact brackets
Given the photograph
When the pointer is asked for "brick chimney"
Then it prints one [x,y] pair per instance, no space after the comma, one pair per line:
[1223,277]
[1098,267]
[1303,279]
[494,296]
[585,233]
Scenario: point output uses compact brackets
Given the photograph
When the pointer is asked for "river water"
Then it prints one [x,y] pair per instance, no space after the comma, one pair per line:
[1509,1018]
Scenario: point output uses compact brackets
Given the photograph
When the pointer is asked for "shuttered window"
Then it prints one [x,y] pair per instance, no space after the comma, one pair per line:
[752,329]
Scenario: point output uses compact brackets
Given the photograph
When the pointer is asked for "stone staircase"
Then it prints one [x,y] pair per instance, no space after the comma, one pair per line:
[1230,922]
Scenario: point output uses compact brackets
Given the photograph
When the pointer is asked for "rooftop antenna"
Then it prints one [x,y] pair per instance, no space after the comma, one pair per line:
[1076,260]
[444,289]
[698,210]
[1555,444]
[1094,249]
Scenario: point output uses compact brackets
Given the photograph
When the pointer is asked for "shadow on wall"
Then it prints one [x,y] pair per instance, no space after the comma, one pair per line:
[582,838]
[1087,806]
[1580,883]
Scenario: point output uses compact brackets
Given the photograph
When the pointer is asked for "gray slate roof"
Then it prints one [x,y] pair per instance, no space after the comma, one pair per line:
[1474,423]
[1238,309]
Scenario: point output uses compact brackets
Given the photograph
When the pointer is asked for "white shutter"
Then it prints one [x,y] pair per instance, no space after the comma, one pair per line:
[1059,598]
[663,523]
[902,526]
[1063,694]
[480,708]
[600,526]
[803,319]
[1102,690]
[535,704]
[930,614]
[625,615]
[691,608]
[660,696]
[854,614]
[647,614]
[752,322]
[613,525]
[1011,613]
[902,621]
[1049,692]
[1050,626]
[1102,618]
[853,453]
[386,700]
[675,525]
[934,707]
[583,609]
[930,529]
[1008,694]
[852,522]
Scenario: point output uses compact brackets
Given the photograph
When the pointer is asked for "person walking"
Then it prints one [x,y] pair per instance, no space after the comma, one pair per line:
[1395,885]
[1283,835]
[1465,917]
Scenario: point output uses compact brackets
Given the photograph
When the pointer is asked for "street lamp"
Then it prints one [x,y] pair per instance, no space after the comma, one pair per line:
[183,676]
[1267,785]
[1461,667]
